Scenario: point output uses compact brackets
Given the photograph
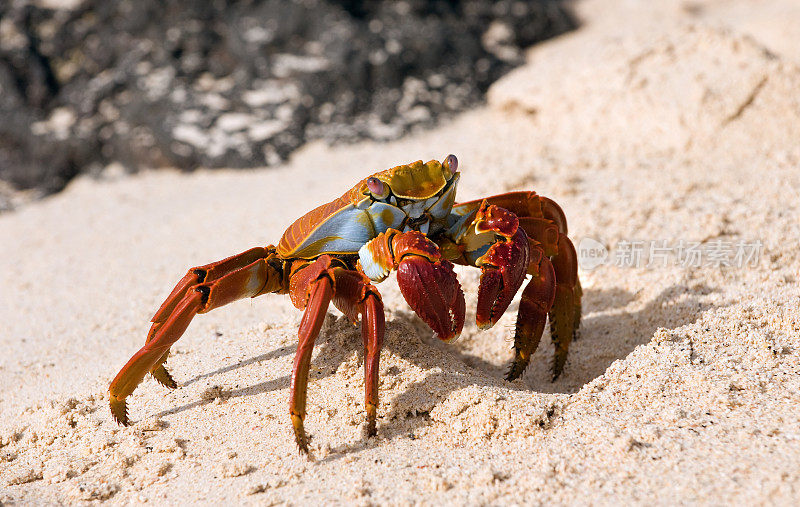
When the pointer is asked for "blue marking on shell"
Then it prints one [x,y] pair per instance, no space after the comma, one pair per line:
[347,230]
[350,228]
[343,232]
[458,222]
[473,256]
[444,204]
[385,216]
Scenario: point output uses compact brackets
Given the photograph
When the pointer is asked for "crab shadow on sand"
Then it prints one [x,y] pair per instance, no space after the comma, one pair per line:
[600,344]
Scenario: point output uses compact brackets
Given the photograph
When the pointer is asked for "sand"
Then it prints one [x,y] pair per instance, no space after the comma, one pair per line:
[684,387]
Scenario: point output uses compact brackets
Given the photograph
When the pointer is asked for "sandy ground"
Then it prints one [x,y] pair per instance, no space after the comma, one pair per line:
[681,126]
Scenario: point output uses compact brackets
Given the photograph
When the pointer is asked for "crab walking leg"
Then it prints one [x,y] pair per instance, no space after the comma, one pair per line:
[132,374]
[247,281]
[537,299]
[544,222]
[313,285]
[321,294]
[526,204]
[372,331]
[565,314]
[196,275]
[355,296]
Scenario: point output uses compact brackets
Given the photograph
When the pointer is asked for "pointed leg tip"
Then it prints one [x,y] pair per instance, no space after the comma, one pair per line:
[484,326]
[450,337]
[518,366]
[372,418]
[163,377]
[302,446]
[300,437]
[119,410]
[557,370]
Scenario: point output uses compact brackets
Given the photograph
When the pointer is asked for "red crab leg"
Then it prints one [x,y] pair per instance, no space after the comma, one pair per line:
[312,288]
[527,204]
[355,296]
[546,226]
[200,274]
[536,301]
[233,278]
[320,293]
[427,281]
[566,313]
[513,255]
[372,331]
[543,232]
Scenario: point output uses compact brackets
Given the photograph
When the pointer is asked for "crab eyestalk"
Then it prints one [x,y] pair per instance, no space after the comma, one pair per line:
[503,266]
[377,188]
[450,166]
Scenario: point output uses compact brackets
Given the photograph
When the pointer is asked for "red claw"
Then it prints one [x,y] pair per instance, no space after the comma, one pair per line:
[503,270]
[433,292]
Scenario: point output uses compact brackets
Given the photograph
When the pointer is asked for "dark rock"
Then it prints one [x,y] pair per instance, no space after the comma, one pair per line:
[239,83]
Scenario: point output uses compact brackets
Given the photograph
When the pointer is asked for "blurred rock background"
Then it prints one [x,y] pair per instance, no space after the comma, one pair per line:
[88,84]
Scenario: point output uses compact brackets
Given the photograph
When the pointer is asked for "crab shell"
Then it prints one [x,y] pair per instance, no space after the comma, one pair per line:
[424,193]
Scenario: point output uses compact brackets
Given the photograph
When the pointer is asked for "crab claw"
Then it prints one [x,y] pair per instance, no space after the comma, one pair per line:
[433,292]
[503,266]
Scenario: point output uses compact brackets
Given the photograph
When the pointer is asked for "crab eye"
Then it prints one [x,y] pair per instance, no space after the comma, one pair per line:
[450,165]
[377,188]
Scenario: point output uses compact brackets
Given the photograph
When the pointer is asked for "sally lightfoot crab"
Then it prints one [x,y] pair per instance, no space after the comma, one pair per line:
[403,219]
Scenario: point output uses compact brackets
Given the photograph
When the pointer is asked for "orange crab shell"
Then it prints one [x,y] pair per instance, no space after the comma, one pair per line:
[414,181]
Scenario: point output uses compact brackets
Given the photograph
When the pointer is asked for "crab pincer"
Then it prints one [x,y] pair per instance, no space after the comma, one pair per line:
[433,292]
[504,264]
[426,280]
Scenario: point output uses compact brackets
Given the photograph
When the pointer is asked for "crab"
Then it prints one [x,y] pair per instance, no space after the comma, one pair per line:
[403,219]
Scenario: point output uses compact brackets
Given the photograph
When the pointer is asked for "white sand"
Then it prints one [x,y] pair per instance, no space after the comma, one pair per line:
[684,124]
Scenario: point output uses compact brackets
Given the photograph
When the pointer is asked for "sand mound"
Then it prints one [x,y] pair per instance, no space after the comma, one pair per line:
[701,89]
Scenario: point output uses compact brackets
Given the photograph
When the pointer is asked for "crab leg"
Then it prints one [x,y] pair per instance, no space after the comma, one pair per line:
[321,291]
[545,223]
[355,296]
[536,302]
[244,275]
[372,331]
[566,312]
[208,273]
[565,315]
[312,287]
